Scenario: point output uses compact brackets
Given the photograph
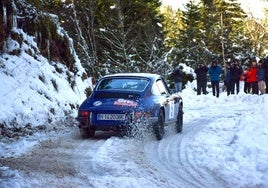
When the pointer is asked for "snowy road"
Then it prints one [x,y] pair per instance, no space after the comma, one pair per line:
[108,160]
[174,161]
[221,146]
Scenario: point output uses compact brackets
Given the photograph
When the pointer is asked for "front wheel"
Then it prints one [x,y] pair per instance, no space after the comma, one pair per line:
[179,123]
[159,126]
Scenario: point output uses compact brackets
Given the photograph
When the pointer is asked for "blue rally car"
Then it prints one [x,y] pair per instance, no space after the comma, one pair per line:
[124,102]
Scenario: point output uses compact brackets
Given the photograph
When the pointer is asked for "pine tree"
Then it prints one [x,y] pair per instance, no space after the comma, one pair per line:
[190,46]
[172,24]
[114,35]
[213,30]
[232,26]
[256,32]
[132,37]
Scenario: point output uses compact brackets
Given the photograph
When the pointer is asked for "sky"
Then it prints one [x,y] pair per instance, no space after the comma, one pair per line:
[223,142]
[250,6]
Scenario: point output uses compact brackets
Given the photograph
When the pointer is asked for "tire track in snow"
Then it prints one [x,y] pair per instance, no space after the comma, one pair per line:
[172,157]
[83,158]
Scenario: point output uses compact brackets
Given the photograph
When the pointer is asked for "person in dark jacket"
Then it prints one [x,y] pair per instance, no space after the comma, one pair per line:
[214,73]
[177,77]
[201,78]
[266,72]
[261,77]
[227,80]
[235,74]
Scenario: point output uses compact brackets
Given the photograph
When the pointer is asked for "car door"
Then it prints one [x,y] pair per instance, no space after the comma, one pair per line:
[170,103]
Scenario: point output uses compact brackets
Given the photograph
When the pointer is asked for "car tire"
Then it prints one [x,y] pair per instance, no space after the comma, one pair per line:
[87,133]
[159,126]
[179,123]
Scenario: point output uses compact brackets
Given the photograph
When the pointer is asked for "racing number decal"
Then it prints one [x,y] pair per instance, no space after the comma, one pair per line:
[171,110]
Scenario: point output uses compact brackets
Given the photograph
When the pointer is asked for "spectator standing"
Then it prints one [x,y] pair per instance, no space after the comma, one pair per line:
[252,77]
[214,73]
[201,78]
[177,76]
[246,81]
[261,77]
[266,72]
[227,80]
[235,74]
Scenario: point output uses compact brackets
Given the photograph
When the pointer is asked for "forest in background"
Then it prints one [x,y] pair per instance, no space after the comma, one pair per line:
[112,36]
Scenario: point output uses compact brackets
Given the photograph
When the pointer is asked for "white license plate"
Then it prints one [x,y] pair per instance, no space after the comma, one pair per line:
[117,117]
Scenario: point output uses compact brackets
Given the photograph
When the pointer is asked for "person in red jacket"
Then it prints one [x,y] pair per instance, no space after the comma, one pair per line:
[244,78]
[252,77]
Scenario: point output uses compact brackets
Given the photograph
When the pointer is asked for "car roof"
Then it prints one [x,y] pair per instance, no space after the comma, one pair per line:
[145,75]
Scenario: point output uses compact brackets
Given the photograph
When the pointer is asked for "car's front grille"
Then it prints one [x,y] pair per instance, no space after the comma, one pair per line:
[116,95]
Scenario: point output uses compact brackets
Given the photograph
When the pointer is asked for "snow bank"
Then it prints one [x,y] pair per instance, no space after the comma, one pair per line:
[33,90]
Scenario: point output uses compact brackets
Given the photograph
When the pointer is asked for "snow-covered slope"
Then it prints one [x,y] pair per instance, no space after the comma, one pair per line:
[36,92]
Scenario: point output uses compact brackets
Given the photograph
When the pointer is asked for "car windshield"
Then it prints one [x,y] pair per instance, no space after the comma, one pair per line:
[136,84]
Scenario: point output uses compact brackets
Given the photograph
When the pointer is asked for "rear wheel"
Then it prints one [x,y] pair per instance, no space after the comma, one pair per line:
[86,132]
[159,126]
[179,123]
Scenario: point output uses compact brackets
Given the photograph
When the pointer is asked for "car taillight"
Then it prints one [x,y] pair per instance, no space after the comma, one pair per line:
[83,113]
